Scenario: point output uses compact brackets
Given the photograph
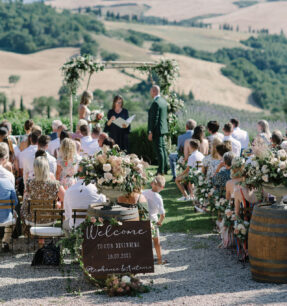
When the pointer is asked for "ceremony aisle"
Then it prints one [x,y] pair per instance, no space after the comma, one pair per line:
[197,273]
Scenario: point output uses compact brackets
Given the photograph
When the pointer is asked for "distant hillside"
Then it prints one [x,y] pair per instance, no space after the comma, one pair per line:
[27,28]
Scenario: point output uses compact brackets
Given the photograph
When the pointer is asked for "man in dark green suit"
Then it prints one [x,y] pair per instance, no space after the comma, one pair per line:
[158,127]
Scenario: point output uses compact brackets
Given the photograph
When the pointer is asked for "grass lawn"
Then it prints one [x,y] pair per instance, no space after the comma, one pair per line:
[180,216]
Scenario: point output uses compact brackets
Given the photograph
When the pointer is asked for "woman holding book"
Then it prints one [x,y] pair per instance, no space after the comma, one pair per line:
[119,134]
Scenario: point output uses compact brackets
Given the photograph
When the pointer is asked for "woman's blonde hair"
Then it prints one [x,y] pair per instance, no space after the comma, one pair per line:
[68,149]
[264,125]
[215,142]
[41,169]
[87,97]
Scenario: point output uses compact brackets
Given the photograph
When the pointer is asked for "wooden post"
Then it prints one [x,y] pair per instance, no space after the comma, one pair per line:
[71,112]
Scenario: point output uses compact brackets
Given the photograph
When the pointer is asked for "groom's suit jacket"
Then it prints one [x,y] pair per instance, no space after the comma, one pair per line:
[157,117]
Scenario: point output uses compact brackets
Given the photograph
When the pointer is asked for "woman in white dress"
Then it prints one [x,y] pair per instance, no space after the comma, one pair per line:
[83,110]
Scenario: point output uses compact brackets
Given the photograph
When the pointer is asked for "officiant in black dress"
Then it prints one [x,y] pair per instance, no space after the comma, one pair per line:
[119,134]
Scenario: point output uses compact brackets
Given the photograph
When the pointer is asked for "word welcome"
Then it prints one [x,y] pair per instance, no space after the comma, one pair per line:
[109,232]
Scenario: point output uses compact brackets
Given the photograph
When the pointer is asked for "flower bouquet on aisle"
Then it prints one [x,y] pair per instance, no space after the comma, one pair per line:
[120,285]
[114,170]
[268,167]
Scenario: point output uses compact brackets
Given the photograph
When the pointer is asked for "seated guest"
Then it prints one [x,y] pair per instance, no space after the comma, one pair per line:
[24,138]
[236,177]
[276,139]
[223,175]
[28,154]
[109,142]
[236,145]
[264,131]
[211,161]
[194,160]
[4,156]
[67,162]
[80,196]
[41,187]
[7,192]
[78,134]
[8,126]
[212,128]
[94,144]
[43,142]
[199,135]
[54,145]
[55,125]
[173,157]
[86,140]
[102,138]
[4,139]
[240,135]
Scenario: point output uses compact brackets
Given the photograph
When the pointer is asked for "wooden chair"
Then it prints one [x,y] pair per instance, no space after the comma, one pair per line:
[41,209]
[52,214]
[8,204]
[82,214]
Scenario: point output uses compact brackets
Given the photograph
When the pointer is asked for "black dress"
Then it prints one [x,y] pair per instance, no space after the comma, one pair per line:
[119,135]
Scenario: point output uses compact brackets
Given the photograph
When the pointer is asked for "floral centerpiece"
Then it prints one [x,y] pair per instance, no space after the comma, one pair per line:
[113,170]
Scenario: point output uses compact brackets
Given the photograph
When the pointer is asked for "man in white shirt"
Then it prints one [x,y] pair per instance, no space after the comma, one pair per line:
[54,145]
[86,140]
[28,155]
[240,135]
[4,157]
[194,161]
[80,196]
[236,145]
[43,142]
[94,147]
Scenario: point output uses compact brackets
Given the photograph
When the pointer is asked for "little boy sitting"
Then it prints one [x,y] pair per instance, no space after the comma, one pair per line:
[194,160]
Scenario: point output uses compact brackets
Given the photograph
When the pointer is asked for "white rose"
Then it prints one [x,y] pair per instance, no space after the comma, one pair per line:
[282,154]
[107,167]
[265,178]
[108,177]
[126,279]
[217,204]
[282,165]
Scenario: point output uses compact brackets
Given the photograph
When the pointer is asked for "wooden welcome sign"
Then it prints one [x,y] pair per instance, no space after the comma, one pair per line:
[113,249]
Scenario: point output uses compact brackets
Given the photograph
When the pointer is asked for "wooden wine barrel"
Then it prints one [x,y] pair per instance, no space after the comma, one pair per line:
[118,212]
[267,244]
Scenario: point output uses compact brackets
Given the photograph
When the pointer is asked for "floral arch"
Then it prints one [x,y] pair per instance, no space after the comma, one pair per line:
[165,70]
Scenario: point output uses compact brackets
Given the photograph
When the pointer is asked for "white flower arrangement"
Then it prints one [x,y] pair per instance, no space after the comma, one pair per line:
[111,167]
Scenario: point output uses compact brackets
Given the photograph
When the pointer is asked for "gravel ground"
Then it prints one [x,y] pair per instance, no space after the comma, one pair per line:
[198,273]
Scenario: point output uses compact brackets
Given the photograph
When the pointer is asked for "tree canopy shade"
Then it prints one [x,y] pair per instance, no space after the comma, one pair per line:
[27,28]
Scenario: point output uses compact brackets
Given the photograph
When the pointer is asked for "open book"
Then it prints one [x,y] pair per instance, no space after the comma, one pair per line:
[122,123]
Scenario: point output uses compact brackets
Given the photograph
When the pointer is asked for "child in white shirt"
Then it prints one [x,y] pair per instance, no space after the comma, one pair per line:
[155,208]
[194,160]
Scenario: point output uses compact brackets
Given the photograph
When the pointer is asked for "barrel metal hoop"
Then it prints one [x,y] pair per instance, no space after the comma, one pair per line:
[265,269]
[253,222]
[255,232]
[268,279]
[279,262]
[269,214]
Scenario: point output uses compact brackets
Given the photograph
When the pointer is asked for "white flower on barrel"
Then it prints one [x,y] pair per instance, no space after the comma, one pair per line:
[265,178]
[264,169]
[107,167]
[126,279]
[108,176]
